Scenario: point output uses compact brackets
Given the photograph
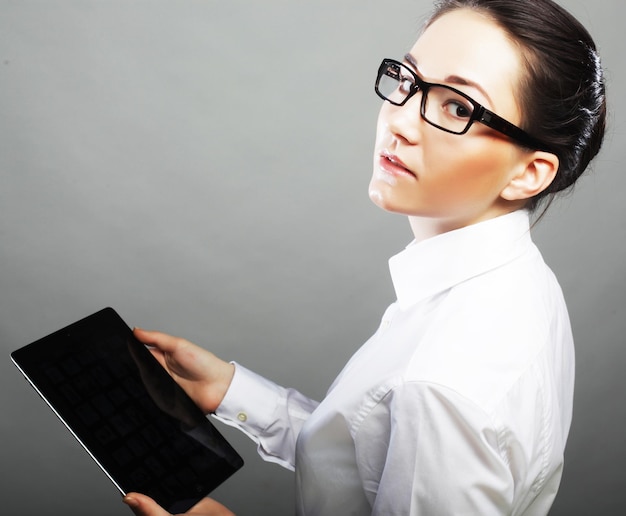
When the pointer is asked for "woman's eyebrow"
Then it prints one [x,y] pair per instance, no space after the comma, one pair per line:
[411,60]
[452,79]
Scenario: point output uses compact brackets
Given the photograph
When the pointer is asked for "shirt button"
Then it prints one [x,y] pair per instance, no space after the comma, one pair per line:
[242,416]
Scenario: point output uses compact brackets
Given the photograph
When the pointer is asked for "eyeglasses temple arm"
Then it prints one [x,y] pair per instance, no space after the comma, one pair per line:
[498,123]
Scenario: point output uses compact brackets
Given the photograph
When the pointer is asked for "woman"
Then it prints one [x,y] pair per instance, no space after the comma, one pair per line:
[462,400]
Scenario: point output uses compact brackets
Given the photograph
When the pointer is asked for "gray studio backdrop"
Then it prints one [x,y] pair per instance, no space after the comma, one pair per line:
[202,167]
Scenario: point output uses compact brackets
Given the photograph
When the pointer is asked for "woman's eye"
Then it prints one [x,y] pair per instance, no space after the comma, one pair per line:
[405,85]
[457,109]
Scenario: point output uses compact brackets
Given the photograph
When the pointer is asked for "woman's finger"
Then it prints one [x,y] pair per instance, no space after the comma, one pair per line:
[143,505]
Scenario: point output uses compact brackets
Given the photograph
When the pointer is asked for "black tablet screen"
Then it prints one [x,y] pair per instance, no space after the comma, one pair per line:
[134,420]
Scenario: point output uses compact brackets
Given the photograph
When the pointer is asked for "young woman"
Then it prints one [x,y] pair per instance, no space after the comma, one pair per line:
[461,401]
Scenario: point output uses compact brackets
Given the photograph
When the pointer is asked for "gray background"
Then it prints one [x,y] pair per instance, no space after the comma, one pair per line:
[202,166]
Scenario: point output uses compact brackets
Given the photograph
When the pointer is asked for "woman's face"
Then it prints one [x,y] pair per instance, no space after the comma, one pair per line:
[422,171]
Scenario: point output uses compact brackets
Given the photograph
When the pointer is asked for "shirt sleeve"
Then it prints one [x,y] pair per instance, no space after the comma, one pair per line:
[269,414]
[439,455]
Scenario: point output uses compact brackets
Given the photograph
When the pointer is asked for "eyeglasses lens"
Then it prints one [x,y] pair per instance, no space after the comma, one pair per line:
[447,109]
[393,85]
[443,107]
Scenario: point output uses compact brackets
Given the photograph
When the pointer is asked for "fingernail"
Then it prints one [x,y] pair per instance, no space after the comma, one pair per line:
[130,501]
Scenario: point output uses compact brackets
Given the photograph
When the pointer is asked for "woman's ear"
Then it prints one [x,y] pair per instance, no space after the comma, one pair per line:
[539,170]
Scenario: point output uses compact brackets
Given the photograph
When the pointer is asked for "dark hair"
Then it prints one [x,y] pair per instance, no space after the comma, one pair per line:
[562,95]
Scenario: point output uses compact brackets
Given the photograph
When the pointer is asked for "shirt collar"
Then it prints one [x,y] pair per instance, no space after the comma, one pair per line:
[426,268]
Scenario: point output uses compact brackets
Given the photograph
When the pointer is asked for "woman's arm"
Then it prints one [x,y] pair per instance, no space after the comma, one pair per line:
[436,453]
[269,414]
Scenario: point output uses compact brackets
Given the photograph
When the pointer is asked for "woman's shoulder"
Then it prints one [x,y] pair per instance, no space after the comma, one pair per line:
[490,331]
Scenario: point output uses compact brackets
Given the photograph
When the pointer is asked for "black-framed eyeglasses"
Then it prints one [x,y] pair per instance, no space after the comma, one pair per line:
[442,106]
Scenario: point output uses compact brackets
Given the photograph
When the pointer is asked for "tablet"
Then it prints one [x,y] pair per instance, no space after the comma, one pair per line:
[128,413]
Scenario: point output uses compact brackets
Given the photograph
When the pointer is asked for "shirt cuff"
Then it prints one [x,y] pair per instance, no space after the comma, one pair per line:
[250,401]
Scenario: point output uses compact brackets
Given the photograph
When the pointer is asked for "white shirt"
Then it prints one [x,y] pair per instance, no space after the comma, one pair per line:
[459,404]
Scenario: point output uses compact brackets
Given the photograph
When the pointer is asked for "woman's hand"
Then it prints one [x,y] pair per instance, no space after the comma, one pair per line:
[143,505]
[205,378]
[202,375]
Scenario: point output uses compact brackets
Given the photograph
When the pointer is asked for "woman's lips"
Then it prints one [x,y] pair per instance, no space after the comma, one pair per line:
[394,165]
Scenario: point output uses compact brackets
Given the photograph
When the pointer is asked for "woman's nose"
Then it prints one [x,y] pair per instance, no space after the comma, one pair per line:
[405,122]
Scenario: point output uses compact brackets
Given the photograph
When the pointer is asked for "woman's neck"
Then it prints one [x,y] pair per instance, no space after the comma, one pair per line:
[428,227]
